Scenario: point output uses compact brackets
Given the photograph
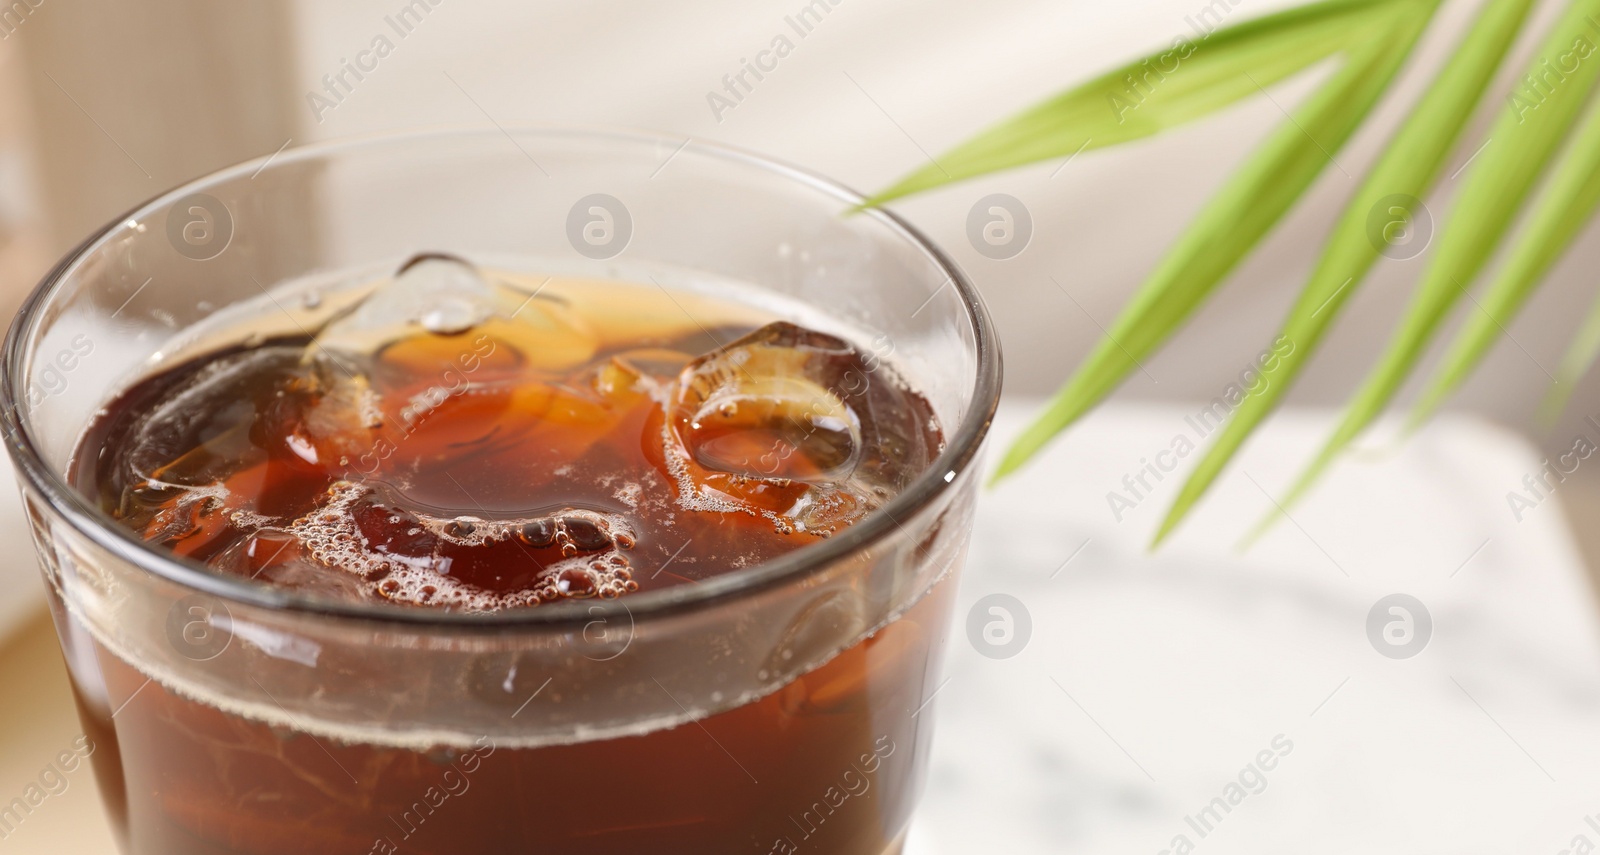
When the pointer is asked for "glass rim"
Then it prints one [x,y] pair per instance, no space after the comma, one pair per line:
[959,454]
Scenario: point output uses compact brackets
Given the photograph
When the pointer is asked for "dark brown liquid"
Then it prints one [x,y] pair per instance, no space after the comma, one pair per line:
[830,764]
[575,447]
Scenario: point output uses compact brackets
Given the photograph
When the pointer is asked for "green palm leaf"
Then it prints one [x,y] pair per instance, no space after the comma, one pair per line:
[1568,200]
[1371,38]
[1254,200]
[1164,89]
[1407,168]
[1579,358]
[1520,144]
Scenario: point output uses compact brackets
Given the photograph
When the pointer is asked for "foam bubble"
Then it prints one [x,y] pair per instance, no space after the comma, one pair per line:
[589,543]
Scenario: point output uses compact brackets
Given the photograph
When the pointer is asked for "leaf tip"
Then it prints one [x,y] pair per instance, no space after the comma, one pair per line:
[1259,530]
[999,474]
[1554,403]
[1168,525]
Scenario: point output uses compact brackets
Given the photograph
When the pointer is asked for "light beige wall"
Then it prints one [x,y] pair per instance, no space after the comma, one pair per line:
[132,98]
[129,99]
[23,251]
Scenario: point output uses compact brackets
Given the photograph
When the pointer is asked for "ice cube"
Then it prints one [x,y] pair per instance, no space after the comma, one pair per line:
[191,519]
[440,293]
[760,408]
[202,431]
[524,426]
[789,424]
[469,316]
[326,418]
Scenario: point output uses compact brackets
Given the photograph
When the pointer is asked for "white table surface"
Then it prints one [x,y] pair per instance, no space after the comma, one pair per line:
[1150,681]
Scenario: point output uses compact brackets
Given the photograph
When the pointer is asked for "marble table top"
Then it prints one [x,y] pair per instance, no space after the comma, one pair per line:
[1206,699]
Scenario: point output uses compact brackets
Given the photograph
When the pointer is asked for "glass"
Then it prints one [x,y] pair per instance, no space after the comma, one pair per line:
[779,708]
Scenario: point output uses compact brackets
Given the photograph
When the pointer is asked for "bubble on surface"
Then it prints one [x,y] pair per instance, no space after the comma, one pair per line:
[409,556]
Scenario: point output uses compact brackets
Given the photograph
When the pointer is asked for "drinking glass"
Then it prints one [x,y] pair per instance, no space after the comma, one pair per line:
[783,707]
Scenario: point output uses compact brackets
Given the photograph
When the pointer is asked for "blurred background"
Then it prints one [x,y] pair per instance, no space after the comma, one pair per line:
[104,104]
